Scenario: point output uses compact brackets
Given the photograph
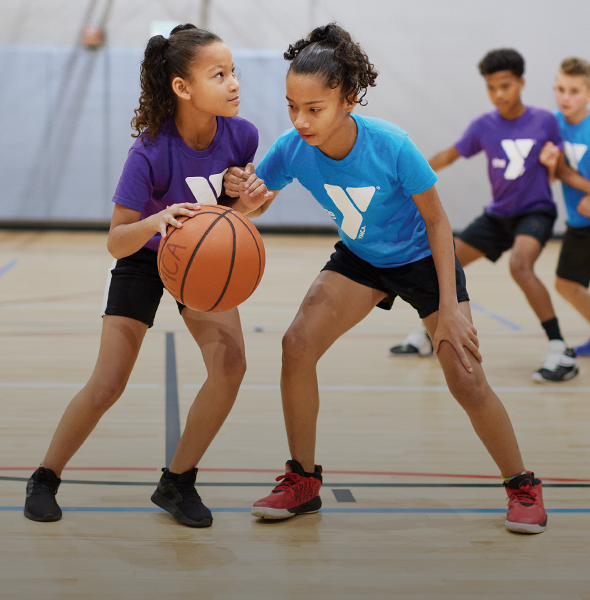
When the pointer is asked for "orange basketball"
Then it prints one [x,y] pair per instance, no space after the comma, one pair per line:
[214,261]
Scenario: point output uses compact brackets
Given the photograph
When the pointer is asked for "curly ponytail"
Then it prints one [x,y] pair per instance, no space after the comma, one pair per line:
[331,53]
[163,60]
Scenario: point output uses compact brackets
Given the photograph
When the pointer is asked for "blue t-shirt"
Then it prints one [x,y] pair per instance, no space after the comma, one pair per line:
[368,193]
[520,183]
[167,171]
[576,139]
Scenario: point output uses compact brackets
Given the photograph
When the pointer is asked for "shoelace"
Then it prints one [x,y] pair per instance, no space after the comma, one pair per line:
[526,494]
[42,487]
[187,489]
[289,478]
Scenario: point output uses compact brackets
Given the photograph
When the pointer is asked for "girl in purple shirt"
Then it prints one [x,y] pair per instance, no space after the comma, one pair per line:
[188,135]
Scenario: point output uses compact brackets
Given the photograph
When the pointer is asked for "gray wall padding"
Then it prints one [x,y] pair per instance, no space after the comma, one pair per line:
[64,122]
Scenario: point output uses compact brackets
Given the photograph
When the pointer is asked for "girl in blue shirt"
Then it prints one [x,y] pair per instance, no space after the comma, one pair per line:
[396,241]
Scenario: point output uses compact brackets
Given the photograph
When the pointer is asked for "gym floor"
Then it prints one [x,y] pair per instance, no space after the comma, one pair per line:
[413,505]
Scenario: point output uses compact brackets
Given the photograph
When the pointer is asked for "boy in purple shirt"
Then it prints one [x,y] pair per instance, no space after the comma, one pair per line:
[522,211]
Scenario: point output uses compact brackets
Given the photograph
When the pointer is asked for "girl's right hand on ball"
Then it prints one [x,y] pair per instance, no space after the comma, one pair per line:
[166,217]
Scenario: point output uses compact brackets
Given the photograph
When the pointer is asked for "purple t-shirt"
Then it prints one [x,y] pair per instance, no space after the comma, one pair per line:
[520,183]
[167,171]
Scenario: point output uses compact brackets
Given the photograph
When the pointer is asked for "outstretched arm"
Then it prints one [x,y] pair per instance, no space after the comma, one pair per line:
[452,326]
[444,158]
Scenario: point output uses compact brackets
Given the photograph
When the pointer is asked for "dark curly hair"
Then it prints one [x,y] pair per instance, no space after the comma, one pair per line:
[163,60]
[505,59]
[331,53]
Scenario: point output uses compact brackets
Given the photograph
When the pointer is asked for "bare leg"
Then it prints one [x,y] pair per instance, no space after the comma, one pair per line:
[120,342]
[525,252]
[487,413]
[332,306]
[466,253]
[577,295]
[219,336]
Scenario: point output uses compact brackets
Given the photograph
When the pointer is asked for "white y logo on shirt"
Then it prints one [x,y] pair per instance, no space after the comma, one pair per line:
[351,206]
[201,189]
[574,153]
[516,151]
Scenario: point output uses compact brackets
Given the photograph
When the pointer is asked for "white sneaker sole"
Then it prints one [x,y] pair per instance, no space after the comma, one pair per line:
[263,512]
[524,527]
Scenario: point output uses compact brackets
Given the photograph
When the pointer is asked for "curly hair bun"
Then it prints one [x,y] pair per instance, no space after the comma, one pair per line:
[330,36]
[184,27]
[330,52]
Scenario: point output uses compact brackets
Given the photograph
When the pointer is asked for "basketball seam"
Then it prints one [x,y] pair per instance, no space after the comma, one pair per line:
[231,266]
[166,239]
[257,250]
[190,261]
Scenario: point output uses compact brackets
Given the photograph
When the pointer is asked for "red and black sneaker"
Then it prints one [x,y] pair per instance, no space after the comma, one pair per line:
[297,494]
[526,513]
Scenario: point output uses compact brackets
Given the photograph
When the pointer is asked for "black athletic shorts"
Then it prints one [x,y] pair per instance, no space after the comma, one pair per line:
[574,258]
[416,283]
[494,235]
[134,288]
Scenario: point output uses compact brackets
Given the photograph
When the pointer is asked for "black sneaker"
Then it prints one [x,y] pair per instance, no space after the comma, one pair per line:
[41,504]
[177,494]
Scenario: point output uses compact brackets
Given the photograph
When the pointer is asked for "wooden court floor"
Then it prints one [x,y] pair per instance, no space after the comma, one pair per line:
[413,507]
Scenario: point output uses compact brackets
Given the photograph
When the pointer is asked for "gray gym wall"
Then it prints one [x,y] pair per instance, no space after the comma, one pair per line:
[65,110]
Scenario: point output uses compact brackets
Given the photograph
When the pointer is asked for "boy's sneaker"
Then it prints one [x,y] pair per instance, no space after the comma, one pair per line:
[297,494]
[41,504]
[559,365]
[416,344]
[583,350]
[526,513]
[177,494]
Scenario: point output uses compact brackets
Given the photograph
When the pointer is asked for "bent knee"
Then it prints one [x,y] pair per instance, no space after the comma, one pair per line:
[520,269]
[471,391]
[233,370]
[297,348]
[103,394]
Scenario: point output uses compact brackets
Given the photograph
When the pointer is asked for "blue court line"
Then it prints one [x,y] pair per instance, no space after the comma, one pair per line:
[140,509]
[489,313]
[8,266]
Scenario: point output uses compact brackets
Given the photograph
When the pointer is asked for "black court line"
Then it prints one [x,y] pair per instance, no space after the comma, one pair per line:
[172,409]
[343,495]
[326,485]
